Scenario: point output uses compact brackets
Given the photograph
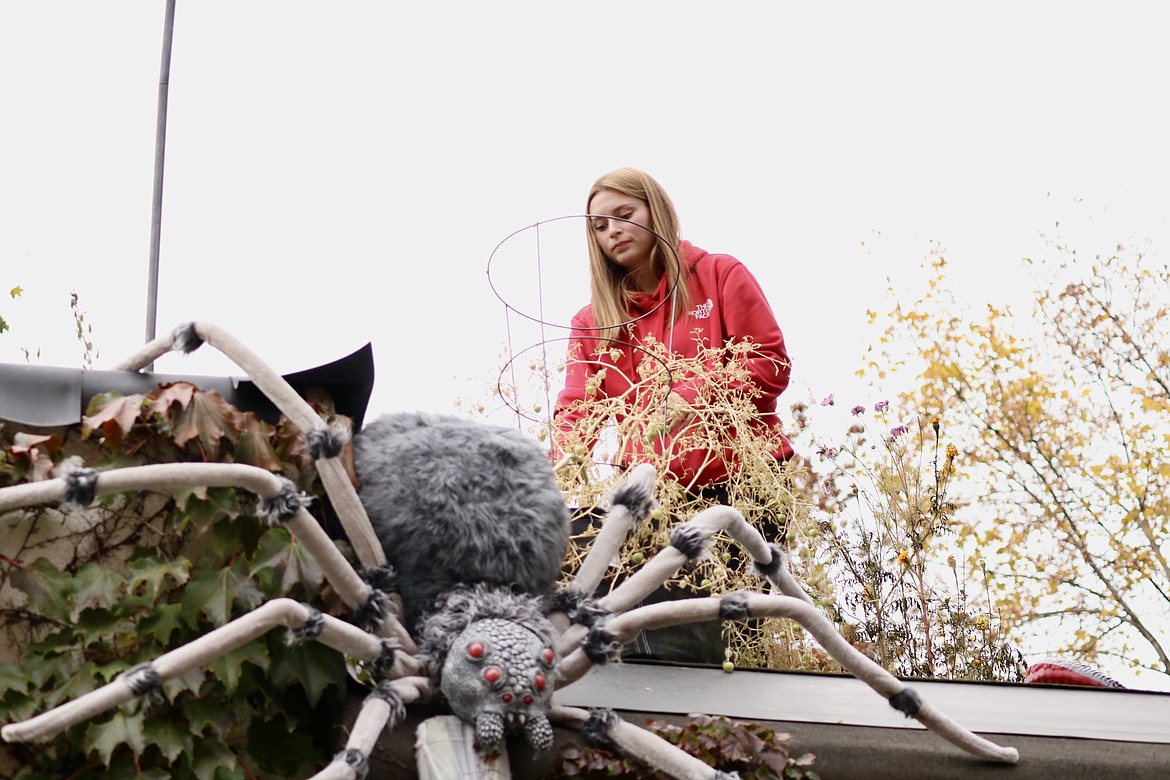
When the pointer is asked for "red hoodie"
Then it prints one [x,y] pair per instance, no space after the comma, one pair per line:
[727,305]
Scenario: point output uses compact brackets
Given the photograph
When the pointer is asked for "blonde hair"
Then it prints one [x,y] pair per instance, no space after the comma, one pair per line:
[610,288]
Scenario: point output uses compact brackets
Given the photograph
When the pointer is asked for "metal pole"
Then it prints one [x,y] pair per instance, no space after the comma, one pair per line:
[160,144]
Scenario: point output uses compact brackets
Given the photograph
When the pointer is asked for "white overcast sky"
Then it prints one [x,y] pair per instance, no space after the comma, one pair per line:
[340,172]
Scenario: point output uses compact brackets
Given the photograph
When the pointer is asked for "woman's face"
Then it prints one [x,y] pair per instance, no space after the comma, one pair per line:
[626,243]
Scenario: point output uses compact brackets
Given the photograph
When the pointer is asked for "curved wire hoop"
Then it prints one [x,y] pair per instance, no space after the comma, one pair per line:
[547,419]
[539,319]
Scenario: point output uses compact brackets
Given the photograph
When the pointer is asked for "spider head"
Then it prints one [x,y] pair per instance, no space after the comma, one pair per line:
[497,675]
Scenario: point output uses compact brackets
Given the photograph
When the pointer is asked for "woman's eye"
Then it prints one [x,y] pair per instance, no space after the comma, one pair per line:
[598,226]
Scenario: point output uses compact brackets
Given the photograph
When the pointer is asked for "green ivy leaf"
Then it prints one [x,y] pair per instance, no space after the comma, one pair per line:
[120,729]
[311,666]
[153,774]
[213,761]
[49,590]
[191,680]
[170,736]
[48,667]
[96,586]
[203,508]
[12,678]
[124,765]
[162,623]
[288,560]
[228,667]
[118,460]
[94,625]
[105,673]
[239,535]
[18,706]
[212,592]
[270,744]
[206,718]
[151,573]
[15,701]
[84,678]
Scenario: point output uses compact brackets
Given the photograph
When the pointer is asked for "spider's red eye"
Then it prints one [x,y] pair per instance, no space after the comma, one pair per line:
[527,699]
[507,697]
[475,650]
[491,674]
[540,681]
[547,654]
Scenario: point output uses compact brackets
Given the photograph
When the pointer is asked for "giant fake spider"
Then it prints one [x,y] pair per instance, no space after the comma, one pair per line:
[459,533]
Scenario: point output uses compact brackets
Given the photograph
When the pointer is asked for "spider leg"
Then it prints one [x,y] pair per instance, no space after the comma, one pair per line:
[769,560]
[324,441]
[280,503]
[744,605]
[630,503]
[305,622]
[383,709]
[688,541]
[604,728]
[591,641]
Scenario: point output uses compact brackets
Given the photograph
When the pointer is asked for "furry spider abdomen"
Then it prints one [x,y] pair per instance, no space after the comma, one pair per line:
[457,502]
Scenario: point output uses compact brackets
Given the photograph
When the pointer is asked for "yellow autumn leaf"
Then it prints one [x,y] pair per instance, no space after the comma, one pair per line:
[1154,404]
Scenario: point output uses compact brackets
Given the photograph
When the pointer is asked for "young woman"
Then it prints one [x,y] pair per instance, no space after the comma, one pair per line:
[649,284]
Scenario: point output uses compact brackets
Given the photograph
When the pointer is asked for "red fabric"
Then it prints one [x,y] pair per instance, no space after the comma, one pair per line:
[727,304]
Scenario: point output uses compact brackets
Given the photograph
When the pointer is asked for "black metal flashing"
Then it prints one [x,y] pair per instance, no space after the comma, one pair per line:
[51,396]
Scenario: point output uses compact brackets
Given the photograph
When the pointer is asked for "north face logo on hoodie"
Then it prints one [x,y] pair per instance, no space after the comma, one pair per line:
[703,310]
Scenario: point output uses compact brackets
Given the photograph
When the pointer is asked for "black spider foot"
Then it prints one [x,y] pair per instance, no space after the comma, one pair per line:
[734,606]
[280,508]
[80,488]
[142,680]
[689,540]
[326,442]
[393,700]
[578,607]
[907,702]
[599,726]
[600,645]
[355,760]
[310,629]
[637,496]
[185,338]
[771,569]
